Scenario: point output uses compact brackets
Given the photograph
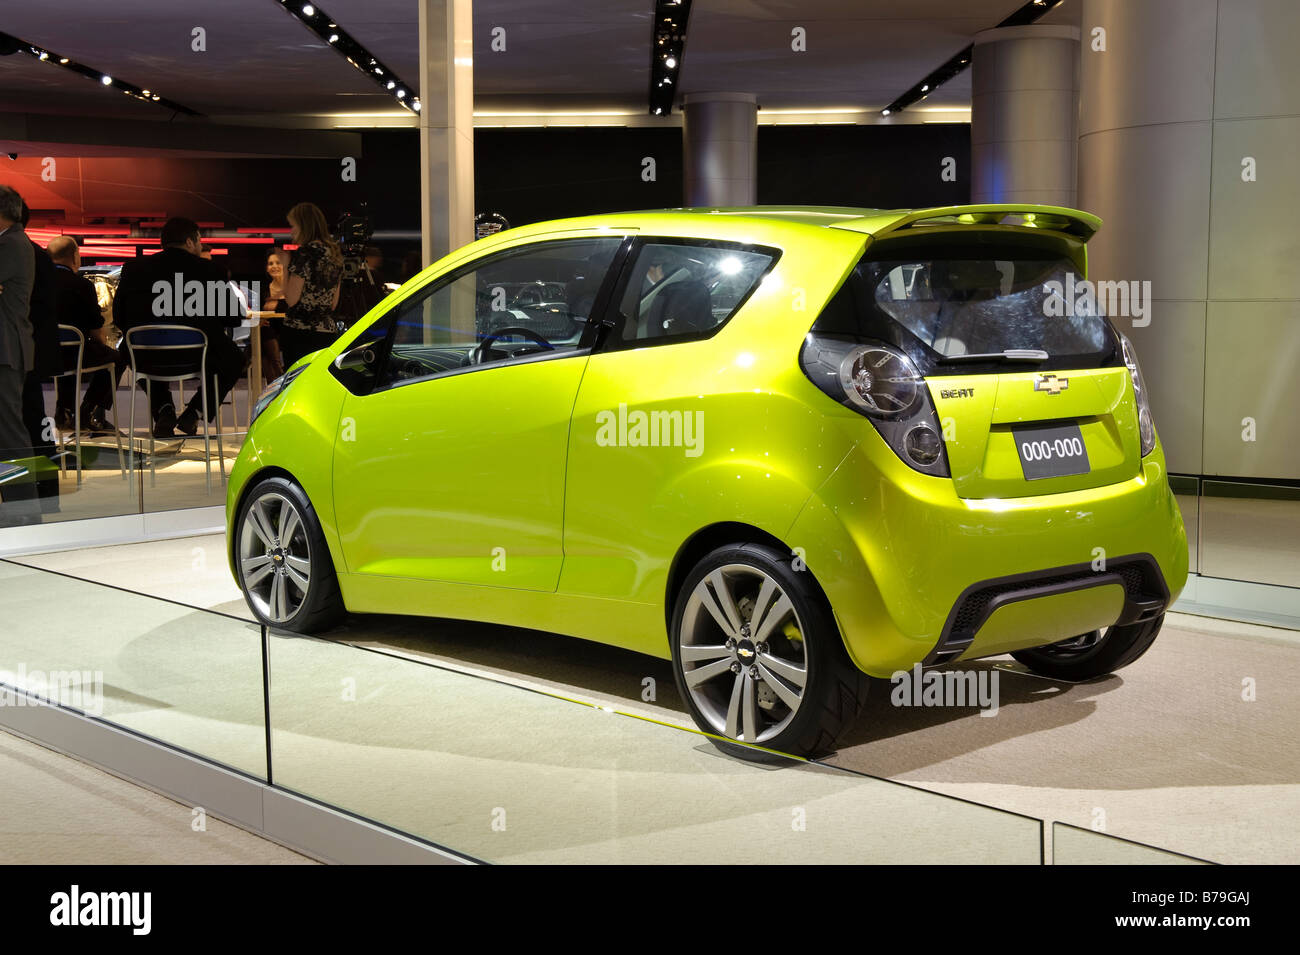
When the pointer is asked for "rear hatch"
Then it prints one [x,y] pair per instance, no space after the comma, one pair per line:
[1025,374]
[999,428]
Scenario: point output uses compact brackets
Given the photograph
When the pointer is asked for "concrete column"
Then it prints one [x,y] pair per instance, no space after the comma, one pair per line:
[1024,106]
[446,126]
[719,141]
[1189,127]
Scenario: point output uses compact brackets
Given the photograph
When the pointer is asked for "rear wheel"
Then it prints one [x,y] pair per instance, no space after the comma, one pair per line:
[1093,654]
[758,658]
[282,560]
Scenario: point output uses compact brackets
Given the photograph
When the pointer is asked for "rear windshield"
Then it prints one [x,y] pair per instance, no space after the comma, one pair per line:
[951,304]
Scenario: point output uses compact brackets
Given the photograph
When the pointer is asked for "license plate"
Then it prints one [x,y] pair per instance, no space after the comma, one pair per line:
[1048,451]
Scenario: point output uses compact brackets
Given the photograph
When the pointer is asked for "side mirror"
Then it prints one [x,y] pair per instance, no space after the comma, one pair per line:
[362,358]
[358,367]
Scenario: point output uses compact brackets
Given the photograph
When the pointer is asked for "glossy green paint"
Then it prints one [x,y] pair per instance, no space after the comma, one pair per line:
[497,494]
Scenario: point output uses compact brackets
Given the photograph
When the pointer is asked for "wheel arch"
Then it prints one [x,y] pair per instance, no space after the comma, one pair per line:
[254,479]
[710,538]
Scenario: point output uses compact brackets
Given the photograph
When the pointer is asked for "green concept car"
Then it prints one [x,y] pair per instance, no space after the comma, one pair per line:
[787,448]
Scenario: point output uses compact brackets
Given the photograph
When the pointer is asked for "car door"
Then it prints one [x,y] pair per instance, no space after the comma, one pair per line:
[639,419]
[449,462]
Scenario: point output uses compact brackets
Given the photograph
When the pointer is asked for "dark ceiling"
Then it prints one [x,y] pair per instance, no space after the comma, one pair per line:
[560,54]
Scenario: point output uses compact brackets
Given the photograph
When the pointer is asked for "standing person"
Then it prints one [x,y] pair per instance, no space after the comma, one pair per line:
[17,350]
[148,293]
[277,270]
[47,362]
[76,304]
[312,289]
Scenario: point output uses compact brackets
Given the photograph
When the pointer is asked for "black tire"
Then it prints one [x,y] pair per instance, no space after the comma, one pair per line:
[834,690]
[1118,647]
[321,606]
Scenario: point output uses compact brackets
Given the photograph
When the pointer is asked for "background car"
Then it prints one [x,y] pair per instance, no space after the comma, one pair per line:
[789,449]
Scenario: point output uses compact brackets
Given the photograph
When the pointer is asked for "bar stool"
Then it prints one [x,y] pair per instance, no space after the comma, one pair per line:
[71,340]
[166,354]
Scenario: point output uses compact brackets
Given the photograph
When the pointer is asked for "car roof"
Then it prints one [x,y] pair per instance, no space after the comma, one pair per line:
[875,222]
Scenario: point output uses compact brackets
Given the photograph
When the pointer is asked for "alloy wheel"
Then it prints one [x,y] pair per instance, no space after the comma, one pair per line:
[275,557]
[742,651]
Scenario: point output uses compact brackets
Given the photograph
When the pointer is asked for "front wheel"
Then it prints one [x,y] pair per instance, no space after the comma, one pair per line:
[1093,654]
[282,561]
[758,657]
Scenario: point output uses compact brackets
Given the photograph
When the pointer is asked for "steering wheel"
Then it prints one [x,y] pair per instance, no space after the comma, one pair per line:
[477,356]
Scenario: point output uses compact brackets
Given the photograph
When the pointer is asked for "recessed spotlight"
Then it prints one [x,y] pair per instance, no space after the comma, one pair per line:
[106,80]
[884,112]
[308,10]
[392,85]
[401,94]
[63,61]
[671,62]
[334,38]
[925,88]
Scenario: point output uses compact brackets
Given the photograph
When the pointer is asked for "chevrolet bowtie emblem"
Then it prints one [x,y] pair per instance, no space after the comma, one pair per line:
[1051,384]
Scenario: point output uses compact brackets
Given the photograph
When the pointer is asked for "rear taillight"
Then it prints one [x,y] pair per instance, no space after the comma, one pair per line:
[1146,424]
[882,384]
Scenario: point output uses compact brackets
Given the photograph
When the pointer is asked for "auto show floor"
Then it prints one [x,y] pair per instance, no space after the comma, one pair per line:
[1192,749]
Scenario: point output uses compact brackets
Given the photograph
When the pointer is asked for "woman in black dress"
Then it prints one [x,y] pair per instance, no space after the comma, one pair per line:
[312,288]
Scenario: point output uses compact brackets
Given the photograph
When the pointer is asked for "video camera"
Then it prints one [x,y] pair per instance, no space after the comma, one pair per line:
[354,231]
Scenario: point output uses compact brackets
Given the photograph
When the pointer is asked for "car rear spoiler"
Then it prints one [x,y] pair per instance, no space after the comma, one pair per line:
[1081,225]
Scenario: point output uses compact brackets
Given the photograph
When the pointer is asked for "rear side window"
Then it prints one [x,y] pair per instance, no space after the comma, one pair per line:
[685,290]
[947,304]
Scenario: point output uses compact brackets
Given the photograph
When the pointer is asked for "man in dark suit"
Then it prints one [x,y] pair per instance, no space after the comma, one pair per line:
[47,362]
[76,304]
[17,350]
[177,287]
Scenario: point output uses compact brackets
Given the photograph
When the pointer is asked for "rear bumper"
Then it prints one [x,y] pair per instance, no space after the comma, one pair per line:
[1028,610]
[916,574]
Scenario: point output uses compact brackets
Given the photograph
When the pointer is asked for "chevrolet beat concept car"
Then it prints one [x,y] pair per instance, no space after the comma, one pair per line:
[785,448]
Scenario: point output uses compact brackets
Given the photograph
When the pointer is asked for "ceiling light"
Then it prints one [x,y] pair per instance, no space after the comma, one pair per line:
[106,80]
[334,38]
[671,62]
[308,10]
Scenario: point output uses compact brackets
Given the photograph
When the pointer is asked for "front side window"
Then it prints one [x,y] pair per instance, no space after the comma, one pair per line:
[526,302]
[686,290]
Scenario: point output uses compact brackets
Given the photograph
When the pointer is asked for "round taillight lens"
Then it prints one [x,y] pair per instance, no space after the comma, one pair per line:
[880,381]
[923,446]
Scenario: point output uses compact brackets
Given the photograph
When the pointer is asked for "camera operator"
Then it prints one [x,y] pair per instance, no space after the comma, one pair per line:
[363,283]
